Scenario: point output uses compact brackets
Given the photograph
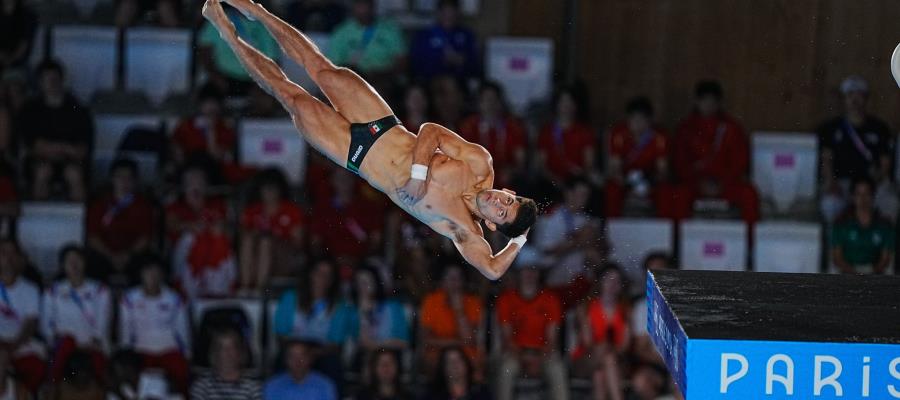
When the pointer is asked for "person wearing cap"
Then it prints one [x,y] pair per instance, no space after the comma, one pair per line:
[712,156]
[854,145]
[530,317]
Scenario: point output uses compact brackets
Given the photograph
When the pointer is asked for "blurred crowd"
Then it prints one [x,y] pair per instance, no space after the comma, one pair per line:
[367,302]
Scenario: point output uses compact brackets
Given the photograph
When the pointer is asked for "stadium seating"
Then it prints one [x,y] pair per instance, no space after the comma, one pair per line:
[632,239]
[784,168]
[523,66]
[273,143]
[89,54]
[110,130]
[713,245]
[45,228]
[157,61]
[787,247]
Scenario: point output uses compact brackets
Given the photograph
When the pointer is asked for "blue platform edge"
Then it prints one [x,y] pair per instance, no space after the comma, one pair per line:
[710,369]
[667,334]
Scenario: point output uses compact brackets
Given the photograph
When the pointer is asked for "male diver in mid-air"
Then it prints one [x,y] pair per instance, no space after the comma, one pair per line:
[436,176]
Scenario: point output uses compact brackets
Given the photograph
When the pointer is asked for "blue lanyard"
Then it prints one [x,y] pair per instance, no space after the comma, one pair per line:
[80,304]
[3,294]
[117,208]
[644,140]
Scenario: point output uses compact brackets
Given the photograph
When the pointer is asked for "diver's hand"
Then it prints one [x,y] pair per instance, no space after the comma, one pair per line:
[413,191]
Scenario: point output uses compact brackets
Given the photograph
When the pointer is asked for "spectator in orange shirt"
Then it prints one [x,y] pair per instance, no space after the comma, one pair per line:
[202,256]
[566,146]
[121,222]
[529,318]
[638,161]
[712,155]
[450,317]
[208,133]
[502,134]
[604,334]
[272,234]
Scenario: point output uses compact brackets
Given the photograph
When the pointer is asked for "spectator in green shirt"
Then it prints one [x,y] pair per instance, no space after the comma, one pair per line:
[862,241]
[219,62]
[371,46]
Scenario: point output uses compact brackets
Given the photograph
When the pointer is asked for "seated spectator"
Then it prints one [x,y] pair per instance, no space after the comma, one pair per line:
[76,314]
[10,387]
[642,348]
[712,156]
[82,381]
[272,233]
[450,317]
[313,312]
[454,378]
[648,382]
[416,107]
[10,206]
[529,318]
[123,375]
[299,382]
[202,253]
[445,48]
[563,234]
[638,161]
[348,224]
[371,46]
[218,61]
[164,13]
[383,377]
[153,321]
[862,242]
[226,381]
[315,15]
[378,321]
[17,25]
[566,146]
[603,334]
[58,131]
[854,145]
[501,133]
[208,133]
[19,317]
[120,222]
[449,96]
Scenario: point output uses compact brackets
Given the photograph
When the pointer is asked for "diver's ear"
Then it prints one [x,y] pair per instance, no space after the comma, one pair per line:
[490,225]
[509,191]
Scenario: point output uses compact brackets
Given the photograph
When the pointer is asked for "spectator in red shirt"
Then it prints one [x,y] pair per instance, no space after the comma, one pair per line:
[566,146]
[502,134]
[10,206]
[347,225]
[712,155]
[120,222]
[202,256]
[603,333]
[638,162]
[529,318]
[272,235]
[208,132]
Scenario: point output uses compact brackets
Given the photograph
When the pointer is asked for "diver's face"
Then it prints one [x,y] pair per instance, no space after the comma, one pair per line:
[497,206]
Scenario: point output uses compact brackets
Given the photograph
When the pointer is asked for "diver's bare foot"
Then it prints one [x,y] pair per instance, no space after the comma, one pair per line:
[212,11]
[247,7]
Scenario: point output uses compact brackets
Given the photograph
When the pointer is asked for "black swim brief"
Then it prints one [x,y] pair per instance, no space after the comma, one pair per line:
[363,136]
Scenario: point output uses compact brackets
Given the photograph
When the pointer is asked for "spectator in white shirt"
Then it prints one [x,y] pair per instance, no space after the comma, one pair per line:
[153,321]
[76,314]
[563,235]
[19,305]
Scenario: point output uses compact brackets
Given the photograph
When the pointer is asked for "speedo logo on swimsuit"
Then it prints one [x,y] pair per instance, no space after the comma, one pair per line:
[359,150]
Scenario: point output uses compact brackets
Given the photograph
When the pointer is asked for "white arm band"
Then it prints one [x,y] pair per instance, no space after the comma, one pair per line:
[419,172]
[519,240]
